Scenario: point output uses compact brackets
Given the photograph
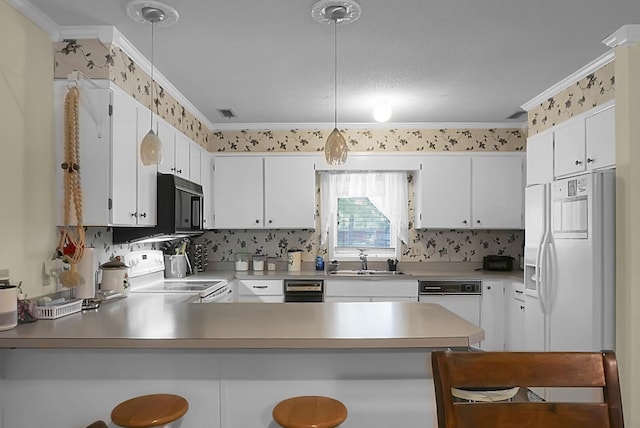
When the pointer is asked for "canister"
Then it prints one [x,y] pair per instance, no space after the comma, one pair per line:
[8,306]
[242,262]
[294,260]
[271,263]
[258,262]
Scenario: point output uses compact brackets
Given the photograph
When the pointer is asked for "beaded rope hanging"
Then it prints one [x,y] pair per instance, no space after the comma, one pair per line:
[72,247]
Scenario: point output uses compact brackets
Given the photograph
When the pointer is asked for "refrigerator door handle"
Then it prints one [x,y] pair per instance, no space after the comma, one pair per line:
[541,276]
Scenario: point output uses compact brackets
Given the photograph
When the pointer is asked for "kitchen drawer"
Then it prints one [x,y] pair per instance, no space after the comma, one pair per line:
[262,287]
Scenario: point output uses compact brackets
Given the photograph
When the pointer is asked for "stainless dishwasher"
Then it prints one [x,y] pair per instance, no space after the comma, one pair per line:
[461,297]
[304,290]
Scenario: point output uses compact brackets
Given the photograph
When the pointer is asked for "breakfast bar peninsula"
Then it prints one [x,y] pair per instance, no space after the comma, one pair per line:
[233,362]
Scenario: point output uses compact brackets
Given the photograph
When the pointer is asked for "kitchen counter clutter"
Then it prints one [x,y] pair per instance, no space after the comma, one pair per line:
[155,321]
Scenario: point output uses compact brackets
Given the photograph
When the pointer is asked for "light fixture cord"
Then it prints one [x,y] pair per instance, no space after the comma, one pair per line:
[152,84]
[335,73]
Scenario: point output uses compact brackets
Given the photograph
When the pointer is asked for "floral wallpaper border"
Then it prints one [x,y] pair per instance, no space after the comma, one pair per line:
[378,140]
[591,91]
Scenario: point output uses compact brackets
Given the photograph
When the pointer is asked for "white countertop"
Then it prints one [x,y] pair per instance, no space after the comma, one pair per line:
[152,321]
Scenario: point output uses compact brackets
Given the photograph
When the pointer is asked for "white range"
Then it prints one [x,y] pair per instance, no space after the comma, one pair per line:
[146,275]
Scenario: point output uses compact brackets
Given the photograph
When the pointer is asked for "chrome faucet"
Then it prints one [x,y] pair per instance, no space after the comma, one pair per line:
[363,258]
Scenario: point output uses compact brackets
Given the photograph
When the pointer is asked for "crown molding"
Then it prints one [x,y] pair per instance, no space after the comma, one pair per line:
[36,16]
[366,125]
[593,66]
[626,35]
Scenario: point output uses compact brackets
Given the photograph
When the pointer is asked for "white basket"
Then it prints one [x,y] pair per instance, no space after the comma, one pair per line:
[57,311]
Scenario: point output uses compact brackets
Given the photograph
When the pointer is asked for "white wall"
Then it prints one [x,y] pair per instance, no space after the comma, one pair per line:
[27,229]
[628,227]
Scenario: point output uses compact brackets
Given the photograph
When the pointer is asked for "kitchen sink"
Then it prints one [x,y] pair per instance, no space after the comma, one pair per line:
[365,272]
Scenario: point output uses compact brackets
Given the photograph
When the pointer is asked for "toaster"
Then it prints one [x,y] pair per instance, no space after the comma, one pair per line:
[499,263]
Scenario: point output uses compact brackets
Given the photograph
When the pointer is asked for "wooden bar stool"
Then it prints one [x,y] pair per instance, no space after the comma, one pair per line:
[147,411]
[309,412]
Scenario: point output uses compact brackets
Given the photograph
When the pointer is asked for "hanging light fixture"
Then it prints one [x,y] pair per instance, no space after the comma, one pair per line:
[152,12]
[336,12]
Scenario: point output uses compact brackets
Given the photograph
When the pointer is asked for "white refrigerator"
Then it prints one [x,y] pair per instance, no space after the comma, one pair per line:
[569,270]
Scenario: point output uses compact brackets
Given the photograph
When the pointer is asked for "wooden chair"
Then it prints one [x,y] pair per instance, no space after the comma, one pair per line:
[491,370]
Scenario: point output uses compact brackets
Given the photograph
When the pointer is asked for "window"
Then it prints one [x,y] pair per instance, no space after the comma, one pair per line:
[364,211]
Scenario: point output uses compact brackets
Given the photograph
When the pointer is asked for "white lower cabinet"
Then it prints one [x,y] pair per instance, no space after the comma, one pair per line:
[260,290]
[364,290]
[492,320]
[515,314]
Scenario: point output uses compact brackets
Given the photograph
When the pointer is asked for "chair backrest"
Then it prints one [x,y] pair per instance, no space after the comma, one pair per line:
[495,370]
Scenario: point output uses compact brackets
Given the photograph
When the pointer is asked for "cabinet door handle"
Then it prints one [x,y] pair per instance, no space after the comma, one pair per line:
[488,287]
[134,214]
[173,169]
[519,291]
[143,215]
[270,221]
[259,286]
[464,221]
[179,171]
[589,160]
[257,221]
[478,221]
[578,162]
[521,307]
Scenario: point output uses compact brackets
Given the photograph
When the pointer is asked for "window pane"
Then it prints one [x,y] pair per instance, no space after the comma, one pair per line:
[362,225]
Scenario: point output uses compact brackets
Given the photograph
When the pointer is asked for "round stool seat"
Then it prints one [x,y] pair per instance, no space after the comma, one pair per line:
[309,412]
[149,411]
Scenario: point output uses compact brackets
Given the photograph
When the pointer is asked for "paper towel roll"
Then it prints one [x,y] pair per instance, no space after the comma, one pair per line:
[87,268]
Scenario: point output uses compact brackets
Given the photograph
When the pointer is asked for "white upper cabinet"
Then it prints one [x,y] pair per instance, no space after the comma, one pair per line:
[443,192]
[290,197]
[238,193]
[497,192]
[195,153]
[600,137]
[182,147]
[585,142]
[255,192]
[569,148]
[167,135]
[540,158]
[117,189]
[470,191]
[176,151]
[206,175]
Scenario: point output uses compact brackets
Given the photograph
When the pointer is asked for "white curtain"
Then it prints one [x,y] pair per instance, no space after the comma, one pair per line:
[386,190]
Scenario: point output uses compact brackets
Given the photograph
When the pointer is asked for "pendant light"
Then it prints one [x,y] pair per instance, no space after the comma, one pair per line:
[335,12]
[152,12]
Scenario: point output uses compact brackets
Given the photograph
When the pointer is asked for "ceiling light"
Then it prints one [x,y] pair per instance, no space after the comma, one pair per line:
[382,113]
[335,12]
[152,12]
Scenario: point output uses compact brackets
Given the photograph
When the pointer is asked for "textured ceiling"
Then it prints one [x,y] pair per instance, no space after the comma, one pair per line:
[432,61]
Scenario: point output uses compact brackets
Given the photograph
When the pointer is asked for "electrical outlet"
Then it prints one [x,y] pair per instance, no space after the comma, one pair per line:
[51,268]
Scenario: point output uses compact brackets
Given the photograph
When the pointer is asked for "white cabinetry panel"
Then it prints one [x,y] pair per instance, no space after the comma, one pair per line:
[492,311]
[363,290]
[601,139]
[497,192]
[117,189]
[540,158]
[238,192]
[470,191]
[206,176]
[443,192]
[515,317]
[255,192]
[569,147]
[290,197]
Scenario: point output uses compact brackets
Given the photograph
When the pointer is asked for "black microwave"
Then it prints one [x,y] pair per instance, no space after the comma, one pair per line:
[179,212]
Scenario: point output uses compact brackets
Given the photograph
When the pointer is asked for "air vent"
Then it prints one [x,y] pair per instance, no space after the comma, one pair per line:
[227,113]
[517,114]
